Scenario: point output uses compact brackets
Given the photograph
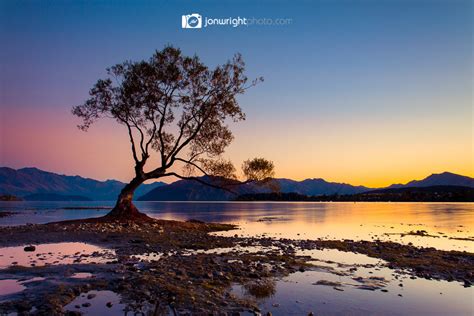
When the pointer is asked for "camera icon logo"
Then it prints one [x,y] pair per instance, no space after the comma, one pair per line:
[191,21]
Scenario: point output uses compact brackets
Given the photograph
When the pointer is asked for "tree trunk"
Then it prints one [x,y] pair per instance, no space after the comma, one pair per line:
[124,209]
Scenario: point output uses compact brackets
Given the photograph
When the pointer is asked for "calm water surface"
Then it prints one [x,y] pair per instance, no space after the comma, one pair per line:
[300,292]
[445,222]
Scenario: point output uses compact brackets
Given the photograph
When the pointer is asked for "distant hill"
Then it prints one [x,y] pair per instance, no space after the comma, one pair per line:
[317,186]
[28,181]
[39,184]
[192,191]
[436,193]
[9,197]
[445,178]
[185,190]
[440,193]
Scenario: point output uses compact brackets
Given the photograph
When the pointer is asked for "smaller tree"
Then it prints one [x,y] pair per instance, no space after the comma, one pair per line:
[258,169]
[177,107]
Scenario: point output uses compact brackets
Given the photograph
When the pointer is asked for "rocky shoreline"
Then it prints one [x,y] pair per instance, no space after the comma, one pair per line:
[193,271]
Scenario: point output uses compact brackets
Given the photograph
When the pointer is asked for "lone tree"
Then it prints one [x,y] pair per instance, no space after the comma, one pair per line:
[177,107]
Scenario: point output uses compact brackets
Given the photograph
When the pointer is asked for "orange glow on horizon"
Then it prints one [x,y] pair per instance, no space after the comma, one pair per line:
[358,153]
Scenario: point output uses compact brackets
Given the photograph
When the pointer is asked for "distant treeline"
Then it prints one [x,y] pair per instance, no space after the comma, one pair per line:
[417,194]
[9,197]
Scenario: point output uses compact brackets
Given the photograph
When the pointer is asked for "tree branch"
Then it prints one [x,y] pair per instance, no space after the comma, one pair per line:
[152,136]
[175,149]
[200,181]
[160,129]
[192,164]
[181,132]
[142,137]
[130,134]
[190,138]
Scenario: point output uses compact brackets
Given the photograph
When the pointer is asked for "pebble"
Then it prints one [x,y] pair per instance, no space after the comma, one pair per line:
[29,248]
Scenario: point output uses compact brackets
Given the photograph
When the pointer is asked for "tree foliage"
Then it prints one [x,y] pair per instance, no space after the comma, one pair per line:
[258,169]
[176,107]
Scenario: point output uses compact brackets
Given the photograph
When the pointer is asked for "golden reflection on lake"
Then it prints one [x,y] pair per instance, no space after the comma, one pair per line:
[369,221]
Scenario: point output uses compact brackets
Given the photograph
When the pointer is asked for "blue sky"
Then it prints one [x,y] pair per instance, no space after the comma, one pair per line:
[395,73]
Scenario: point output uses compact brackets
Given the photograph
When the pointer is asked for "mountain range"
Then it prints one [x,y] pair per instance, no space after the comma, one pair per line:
[184,190]
[435,193]
[36,184]
[445,178]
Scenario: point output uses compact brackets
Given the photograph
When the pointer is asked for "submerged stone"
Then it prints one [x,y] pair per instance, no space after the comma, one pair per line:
[29,248]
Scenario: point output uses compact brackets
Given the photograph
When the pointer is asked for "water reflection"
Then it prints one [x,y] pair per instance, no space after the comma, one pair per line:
[54,254]
[10,286]
[261,289]
[102,303]
[297,294]
[354,284]
[367,221]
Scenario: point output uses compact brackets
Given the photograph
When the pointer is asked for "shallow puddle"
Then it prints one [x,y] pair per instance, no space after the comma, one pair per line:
[56,253]
[82,275]
[12,286]
[337,256]
[156,256]
[102,303]
[246,249]
[355,284]
[325,293]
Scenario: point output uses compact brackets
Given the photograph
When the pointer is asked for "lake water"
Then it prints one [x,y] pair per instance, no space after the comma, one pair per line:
[335,288]
[299,220]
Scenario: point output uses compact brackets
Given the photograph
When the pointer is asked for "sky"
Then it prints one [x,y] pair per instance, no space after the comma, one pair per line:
[362,92]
